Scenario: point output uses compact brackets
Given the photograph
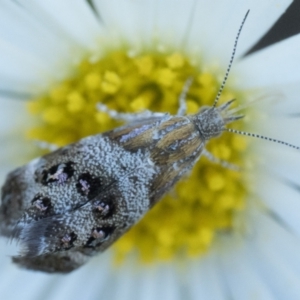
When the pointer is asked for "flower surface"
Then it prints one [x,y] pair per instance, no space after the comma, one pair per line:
[44,44]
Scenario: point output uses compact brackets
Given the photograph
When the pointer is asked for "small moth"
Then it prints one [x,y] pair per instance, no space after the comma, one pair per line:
[71,204]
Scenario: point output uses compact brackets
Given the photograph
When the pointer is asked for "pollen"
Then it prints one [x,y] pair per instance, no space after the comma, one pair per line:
[202,206]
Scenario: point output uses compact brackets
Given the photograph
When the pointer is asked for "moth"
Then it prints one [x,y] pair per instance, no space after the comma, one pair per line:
[75,202]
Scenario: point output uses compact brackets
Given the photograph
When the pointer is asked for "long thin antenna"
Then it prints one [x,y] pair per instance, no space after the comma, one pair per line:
[230,62]
[261,137]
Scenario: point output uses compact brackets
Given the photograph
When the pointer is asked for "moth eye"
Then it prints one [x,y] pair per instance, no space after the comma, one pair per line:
[59,173]
[67,240]
[88,185]
[41,203]
[98,236]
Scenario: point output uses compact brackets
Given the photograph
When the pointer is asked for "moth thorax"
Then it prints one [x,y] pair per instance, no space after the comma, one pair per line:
[209,122]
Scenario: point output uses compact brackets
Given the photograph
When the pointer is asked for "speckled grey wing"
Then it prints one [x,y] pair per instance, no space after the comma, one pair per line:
[74,202]
[93,226]
[61,243]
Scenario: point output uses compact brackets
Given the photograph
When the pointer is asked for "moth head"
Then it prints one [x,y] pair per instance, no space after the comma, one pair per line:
[211,121]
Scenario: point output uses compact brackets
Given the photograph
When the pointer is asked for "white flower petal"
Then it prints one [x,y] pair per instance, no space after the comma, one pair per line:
[126,284]
[147,287]
[276,101]
[175,19]
[12,115]
[16,283]
[279,266]
[74,17]
[30,41]
[243,280]
[168,284]
[204,279]
[279,161]
[216,24]
[278,65]
[155,282]
[282,199]
[281,128]
[19,28]
[72,286]
[12,120]
[15,64]
[10,155]
[128,20]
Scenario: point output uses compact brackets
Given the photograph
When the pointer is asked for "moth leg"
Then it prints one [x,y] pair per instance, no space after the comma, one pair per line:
[182,98]
[223,163]
[128,117]
[46,145]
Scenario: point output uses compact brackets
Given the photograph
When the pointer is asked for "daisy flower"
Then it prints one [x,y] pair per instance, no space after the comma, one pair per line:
[220,234]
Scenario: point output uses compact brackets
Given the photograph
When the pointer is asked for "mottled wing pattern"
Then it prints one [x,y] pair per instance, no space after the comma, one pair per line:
[74,202]
[78,199]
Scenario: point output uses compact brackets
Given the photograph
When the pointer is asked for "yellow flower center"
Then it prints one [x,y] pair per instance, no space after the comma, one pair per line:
[185,222]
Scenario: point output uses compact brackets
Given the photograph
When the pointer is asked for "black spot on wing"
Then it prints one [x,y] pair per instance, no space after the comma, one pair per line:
[41,203]
[59,173]
[98,236]
[89,185]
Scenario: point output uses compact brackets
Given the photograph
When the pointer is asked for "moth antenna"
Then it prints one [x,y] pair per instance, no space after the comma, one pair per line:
[258,136]
[182,98]
[230,62]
